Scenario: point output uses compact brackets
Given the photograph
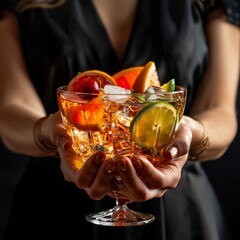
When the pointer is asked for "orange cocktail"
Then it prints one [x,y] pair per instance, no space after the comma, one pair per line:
[121,123]
[99,115]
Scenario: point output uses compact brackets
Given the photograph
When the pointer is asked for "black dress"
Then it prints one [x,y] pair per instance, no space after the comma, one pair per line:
[35,201]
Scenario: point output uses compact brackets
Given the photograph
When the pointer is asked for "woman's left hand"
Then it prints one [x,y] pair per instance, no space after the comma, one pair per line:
[140,180]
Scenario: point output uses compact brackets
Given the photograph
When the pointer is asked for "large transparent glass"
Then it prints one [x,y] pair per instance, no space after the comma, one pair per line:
[121,124]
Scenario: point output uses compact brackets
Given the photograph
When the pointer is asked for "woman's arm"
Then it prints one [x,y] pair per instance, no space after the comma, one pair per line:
[215,102]
[20,105]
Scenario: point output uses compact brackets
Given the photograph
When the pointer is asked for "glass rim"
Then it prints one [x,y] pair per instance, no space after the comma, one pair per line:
[180,89]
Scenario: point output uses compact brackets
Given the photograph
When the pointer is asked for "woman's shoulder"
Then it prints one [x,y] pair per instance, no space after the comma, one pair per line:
[6,5]
[231,9]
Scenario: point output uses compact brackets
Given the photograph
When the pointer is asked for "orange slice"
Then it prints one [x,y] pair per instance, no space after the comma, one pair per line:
[90,81]
[148,77]
[126,77]
[89,116]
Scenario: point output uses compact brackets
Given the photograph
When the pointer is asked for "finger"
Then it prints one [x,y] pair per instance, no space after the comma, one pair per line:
[151,176]
[88,172]
[136,186]
[116,195]
[70,164]
[54,129]
[180,144]
[137,190]
[163,175]
[102,182]
[62,140]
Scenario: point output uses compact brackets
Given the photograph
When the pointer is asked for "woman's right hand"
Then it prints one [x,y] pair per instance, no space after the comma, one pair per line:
[95,176]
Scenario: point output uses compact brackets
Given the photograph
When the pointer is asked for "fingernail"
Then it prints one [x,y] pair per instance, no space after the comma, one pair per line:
[109,168]
[172,152]
[64,143]
[122,165]
[137,163]
[99,158]
[118,179]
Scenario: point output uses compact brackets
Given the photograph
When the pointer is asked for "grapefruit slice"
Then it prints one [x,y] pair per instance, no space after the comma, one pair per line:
[148,77]
[90,81]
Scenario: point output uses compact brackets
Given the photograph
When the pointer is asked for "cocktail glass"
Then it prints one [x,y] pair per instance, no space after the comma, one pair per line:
[121,124]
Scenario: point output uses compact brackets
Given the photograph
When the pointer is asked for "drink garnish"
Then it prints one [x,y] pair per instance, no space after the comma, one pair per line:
[147,77]
[90,81]
[169,86]
[150,121]
[125,78]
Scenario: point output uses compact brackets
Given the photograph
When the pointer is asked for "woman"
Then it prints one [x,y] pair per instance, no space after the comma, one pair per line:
[44,44]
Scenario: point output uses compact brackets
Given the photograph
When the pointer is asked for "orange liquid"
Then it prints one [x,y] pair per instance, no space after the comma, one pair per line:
[101,124]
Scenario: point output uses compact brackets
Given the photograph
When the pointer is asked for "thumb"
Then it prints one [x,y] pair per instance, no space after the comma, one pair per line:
[63,141]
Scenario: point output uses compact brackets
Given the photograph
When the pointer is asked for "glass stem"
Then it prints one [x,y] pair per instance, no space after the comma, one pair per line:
[121,201]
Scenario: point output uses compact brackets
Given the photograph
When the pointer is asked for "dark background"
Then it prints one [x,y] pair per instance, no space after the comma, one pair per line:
[225,177]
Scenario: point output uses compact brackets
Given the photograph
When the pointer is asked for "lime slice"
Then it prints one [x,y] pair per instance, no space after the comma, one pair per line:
[169,86]
[153,126]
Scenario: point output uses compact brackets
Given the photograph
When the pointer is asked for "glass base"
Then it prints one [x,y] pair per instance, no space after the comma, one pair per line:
[120,216]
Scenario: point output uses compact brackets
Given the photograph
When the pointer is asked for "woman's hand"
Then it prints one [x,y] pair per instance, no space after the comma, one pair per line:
[136,179]
[141,180]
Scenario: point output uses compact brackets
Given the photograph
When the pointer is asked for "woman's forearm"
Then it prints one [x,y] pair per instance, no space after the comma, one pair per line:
[16,127]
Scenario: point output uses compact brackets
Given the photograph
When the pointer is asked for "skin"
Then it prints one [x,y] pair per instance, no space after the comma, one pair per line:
[138,179]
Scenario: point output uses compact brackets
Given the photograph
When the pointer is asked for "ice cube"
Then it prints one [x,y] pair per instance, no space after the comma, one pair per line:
[111,89]
[157,94]
[116,93]
[154,89]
